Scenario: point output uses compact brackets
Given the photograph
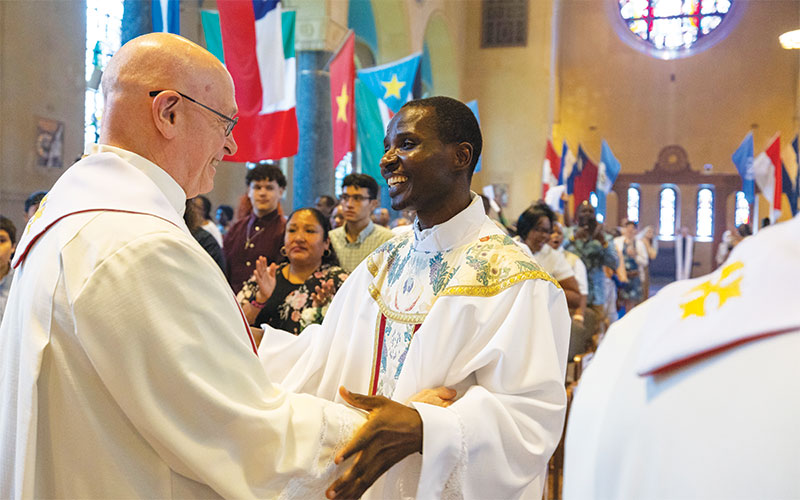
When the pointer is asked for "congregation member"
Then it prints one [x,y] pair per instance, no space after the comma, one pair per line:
[224,218]
[648,237]
[126,366]
[203,206]
[359,236]
[8,240]
[325,204]
[296,293]
[452,302]
[588,241]
[633,260]
[193,218]
[337,216]
[585,321]
[691,395]
[684,254]
[260,233]
[32,203]
[381,216]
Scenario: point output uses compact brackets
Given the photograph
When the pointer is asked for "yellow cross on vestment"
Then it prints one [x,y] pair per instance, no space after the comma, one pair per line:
[341,104]
[697,305]
[393,87]
[37,214]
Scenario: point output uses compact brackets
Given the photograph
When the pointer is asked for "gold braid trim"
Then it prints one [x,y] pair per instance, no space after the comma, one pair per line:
[410,318]
[372,266]
[494,289]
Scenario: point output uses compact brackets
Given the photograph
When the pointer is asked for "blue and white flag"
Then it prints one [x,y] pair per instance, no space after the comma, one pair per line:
[473,106]
[743,159]
[567,166]
[392,82]
[607,173]
[166,16]
[789,173]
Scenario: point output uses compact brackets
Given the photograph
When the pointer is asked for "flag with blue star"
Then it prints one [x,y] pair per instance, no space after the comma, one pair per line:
[392,82]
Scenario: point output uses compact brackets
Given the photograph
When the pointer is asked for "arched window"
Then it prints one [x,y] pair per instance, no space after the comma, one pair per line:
[103,27]
[667,211]
[741,214]
[673,28]
[634,197]
[705,213]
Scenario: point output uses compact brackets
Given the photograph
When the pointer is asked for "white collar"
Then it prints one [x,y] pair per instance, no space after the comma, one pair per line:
[462,227]
[171,189]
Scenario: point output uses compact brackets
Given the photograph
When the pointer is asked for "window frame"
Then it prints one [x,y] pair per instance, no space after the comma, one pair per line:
[700,189]
[676,212]
[636,187]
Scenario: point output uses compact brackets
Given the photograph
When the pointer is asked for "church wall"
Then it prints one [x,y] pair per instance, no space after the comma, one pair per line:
[41,75]
[513,87]
[706,102]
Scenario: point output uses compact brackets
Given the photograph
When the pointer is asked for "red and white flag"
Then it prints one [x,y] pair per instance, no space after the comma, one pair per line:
[343,116]
[769,175]
[258,41]
[551,168]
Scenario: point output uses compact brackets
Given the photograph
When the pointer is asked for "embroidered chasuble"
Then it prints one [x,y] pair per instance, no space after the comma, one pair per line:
[460,305]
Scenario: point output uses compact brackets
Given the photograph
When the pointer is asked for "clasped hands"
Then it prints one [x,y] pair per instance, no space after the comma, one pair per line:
[392,432]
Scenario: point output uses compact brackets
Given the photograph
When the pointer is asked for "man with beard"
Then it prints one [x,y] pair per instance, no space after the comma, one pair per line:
[453,302]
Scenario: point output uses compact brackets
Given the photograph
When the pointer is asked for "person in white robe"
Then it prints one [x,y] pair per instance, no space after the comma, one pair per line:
[453,302]
[126,365]
[684,254]
[692,395]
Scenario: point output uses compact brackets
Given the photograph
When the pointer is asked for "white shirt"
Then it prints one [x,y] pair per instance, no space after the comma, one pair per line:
[503,347]
[554,263]
[214,231]
[579,268]
[116,356]
[691,394]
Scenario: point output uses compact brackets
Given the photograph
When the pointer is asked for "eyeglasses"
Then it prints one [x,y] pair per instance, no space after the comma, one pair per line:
[231,122]
[358,198]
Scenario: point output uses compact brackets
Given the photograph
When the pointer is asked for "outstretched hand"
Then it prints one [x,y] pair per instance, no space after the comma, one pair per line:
[323,293]
[392,432]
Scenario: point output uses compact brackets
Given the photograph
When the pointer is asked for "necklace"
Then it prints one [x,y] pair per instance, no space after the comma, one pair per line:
[250,236]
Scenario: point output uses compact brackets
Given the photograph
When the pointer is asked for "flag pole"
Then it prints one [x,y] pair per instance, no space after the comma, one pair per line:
[339,49]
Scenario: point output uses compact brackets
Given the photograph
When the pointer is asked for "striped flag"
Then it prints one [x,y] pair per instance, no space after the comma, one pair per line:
[258,41]
[768,176]
[166,16]
[551,169]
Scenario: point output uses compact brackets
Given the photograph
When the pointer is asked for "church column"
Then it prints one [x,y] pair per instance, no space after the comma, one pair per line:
[317,34]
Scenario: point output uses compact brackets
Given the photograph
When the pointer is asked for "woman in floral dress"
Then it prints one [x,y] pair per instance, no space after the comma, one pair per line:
[295,294]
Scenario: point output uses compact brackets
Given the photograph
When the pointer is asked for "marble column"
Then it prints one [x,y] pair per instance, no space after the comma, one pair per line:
[313,165]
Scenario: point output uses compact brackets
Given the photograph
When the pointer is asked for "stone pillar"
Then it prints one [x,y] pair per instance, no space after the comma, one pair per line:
[313,165]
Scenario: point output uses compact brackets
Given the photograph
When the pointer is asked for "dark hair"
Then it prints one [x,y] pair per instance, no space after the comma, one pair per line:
[9,227]
[744,230]
[530,217]
[628,222]
[206,207]
[227,210]
[361,181]
[454,122]
[330,259]
[327,200]
[191,217]
[34,199]
[265,171]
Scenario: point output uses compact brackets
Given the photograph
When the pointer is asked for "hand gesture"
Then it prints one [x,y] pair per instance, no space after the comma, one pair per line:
[323,293]
[265,277]
[392,432]
[441,396]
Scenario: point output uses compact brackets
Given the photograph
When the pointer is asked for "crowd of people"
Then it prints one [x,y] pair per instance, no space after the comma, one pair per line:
[131,371]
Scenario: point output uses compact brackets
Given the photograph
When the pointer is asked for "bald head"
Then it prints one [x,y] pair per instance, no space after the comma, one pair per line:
[167,128]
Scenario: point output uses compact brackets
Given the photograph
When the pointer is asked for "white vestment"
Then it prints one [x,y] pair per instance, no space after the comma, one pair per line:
[693,393]
[126,366]
[458,305]
[684,260]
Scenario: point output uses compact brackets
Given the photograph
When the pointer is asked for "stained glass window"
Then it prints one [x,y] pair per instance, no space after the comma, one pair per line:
[673,24]
[667,212]
[634,195]
[741,214]
[705,214]
[103,27]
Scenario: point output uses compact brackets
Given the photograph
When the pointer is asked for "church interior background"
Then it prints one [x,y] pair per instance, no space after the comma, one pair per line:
[571,71]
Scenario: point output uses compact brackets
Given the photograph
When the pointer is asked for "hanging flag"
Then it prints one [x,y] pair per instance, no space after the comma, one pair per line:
[767,172]
[568,161]
[392,82]
[166,16]
[607,173]
[370,131]
[212,33]
[473,106]
[551,168]
[258,41]
[743,159]
[343,117]
[586,178]
[789,174]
